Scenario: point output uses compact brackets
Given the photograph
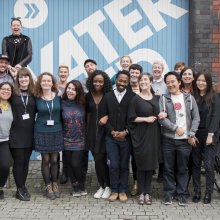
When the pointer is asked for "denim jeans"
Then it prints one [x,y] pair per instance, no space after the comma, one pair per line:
[118,155]
[176,153]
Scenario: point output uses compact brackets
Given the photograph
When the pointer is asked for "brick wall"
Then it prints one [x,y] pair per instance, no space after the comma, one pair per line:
[216,40]
[204,37]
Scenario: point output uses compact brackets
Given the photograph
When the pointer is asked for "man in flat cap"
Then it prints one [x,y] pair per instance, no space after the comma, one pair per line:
[5,74]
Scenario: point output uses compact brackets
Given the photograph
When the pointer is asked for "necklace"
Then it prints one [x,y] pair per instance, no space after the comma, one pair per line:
[46,98]
[5,106]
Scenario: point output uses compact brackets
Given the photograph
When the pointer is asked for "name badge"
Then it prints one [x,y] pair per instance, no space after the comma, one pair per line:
[25,116]
[50,122]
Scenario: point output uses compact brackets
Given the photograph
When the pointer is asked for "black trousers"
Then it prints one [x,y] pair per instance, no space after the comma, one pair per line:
[101,168]
[5,162]
[144,178]
[204,153]
[75,170]
[21,157]
[133,164]
[176,152]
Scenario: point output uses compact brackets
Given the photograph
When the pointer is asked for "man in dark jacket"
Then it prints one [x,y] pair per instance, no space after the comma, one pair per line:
[118,144]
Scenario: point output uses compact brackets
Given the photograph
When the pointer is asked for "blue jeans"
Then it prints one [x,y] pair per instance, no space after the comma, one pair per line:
[118,155]
[176,153]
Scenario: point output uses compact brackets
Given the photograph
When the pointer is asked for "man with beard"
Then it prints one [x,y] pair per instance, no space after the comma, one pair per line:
[90,66]
[5,75]
[118,144]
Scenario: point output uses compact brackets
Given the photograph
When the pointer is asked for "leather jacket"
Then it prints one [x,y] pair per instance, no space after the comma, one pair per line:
[18,53]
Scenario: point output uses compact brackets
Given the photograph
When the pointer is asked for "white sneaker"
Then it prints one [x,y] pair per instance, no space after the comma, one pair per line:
[83,192]
[106,193]
[99,193]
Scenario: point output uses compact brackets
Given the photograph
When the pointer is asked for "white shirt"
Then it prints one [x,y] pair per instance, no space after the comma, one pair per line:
[180,110]
[159,86]
[119,95]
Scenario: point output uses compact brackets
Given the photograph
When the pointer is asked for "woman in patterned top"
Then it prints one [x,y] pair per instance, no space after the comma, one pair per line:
[73,115]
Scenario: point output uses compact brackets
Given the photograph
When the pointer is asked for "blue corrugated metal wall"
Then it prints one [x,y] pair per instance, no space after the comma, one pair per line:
[70,31]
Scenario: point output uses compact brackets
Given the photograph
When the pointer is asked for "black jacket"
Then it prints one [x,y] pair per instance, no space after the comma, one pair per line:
[213,118]
[117,112]
[21,54]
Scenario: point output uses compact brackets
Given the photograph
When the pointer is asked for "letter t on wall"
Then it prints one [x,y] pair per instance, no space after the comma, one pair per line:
[91,25]
[124,23]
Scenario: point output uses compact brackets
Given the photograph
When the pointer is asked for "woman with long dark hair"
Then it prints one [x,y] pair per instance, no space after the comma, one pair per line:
[6,118]
[48,133]
[22,130]
[98,84]
[207,135]
[73,115]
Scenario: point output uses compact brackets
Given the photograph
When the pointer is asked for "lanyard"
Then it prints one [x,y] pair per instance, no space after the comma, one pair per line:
[50,109]
[24,103]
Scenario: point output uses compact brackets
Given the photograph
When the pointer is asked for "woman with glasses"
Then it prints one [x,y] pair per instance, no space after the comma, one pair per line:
[6,119]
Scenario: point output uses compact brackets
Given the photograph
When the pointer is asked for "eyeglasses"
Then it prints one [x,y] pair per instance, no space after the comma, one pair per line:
[6,90]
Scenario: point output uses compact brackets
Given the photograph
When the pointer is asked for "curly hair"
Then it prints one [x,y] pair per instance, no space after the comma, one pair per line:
[107,81]
[24,72]
[38,90]
[80,95]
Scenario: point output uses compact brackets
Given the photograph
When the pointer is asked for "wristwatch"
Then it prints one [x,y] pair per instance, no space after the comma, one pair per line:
[211,134]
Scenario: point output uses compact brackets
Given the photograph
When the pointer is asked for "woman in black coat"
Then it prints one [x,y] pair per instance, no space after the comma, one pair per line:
[207,135]
[17,46]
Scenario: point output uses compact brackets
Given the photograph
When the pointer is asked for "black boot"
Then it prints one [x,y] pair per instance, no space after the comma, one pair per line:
[21,195]
[1,193]
[207,198]
[196,197]
[26,192]
[64,177]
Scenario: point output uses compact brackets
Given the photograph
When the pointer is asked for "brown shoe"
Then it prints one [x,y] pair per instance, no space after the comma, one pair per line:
[123,197]
[113,197]
[49,192]
[134,188]
[56,190]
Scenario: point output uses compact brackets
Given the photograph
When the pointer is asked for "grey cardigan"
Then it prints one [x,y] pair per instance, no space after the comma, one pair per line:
[6,118]
[169,123]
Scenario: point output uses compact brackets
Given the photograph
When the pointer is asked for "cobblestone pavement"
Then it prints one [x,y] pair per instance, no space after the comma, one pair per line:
[86,207]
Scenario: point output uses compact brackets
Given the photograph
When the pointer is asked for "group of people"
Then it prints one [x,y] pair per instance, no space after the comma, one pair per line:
[171,121]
